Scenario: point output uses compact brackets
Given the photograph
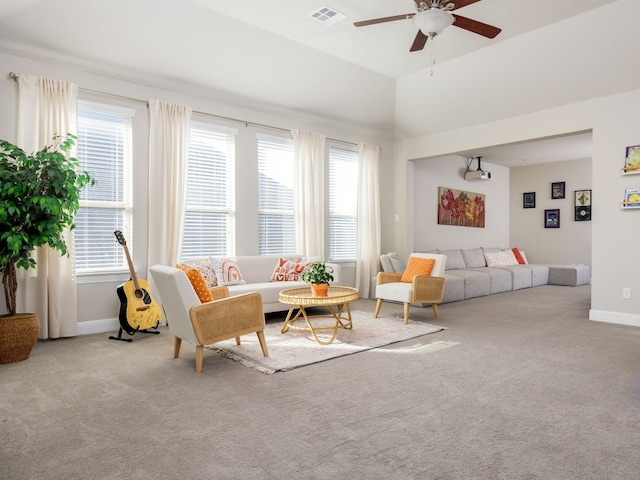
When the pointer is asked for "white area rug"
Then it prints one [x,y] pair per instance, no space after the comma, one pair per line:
[298,348]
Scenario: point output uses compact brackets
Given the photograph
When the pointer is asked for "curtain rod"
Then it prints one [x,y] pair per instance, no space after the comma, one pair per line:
[15,76]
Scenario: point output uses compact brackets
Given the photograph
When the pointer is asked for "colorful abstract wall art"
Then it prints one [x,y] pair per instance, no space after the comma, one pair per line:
[460,208]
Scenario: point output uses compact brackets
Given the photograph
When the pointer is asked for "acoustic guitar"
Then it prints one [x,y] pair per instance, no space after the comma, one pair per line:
[138,310]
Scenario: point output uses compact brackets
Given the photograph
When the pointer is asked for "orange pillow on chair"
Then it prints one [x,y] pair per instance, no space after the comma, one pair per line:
[198,282]
[417,266]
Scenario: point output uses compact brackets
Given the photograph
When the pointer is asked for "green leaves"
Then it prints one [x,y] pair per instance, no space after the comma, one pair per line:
[39,196]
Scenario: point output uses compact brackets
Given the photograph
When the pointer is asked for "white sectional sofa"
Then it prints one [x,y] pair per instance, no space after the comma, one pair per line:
[468,275]
[256,273]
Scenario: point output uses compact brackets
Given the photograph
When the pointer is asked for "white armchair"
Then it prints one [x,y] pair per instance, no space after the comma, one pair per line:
[422,289]
[206,323]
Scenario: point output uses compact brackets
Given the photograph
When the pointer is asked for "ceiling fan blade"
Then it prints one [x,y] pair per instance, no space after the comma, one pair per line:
[475,26]
[419,42]
[364,23]
[462,3]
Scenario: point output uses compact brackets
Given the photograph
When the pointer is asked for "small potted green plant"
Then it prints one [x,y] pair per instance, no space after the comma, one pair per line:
[39,197]
[318,275]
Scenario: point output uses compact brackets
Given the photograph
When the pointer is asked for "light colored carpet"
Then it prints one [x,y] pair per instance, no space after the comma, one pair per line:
[297,348]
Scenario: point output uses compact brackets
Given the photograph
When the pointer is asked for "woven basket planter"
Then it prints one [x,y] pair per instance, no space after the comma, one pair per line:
[18,335]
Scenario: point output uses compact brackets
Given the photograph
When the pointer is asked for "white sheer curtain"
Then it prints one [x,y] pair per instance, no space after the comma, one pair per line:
[368,218]
[308,193]
[168,154]
[47,107]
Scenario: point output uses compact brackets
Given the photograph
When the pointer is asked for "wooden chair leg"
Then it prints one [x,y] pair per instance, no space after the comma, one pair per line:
[176,347]
[199,354]
[237,340]
[263,342]
[406,313]
[436,314]
[378,305]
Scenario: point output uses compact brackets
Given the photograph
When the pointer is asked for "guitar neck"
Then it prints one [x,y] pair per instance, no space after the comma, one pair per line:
[131,269]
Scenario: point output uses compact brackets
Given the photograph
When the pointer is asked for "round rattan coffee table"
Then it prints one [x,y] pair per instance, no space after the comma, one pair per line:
[301,298]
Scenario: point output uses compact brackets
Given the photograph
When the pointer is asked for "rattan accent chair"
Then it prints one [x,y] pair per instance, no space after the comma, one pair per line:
[422,290]
[206,323]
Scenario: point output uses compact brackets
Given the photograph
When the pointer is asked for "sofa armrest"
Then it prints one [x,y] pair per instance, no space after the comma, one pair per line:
[388,277]
[219,292]
[227,318]
[337,273]
[427,289]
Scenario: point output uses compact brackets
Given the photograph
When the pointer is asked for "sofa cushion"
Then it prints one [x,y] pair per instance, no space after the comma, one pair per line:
[397,264]
[474,258]
[500,259]
[287,271]
[386,264]
[269,291]
[198,283]
[417,266]
[395,291]
[455,261]
[227,271]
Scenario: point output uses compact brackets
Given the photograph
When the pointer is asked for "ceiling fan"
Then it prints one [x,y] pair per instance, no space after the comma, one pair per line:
[433,16]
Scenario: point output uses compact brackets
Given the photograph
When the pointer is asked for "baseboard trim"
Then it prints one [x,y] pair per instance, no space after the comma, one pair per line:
[614,317]
[98,326]
[103,326]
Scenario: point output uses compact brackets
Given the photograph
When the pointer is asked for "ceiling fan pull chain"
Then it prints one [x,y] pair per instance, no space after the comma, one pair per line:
[433,57]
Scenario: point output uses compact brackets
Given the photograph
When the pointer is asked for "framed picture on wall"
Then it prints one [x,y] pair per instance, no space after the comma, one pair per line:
[582,205]
[529,200]
[552,218]
[557,190]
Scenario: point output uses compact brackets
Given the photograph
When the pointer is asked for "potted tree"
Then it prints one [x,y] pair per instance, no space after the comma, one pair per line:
[39,197]
[318,275]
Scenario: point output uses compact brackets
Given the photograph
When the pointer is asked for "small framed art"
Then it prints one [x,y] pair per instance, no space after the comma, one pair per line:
[632,160]
[557,190]
[582,205]
[552,218]
[529,200]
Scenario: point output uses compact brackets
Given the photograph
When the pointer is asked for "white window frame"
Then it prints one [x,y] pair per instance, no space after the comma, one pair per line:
[87,275]
[343,199]
[225,139]
[274,168]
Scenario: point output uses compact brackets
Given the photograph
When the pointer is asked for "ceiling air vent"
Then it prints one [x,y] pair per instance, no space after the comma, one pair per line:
[327,15]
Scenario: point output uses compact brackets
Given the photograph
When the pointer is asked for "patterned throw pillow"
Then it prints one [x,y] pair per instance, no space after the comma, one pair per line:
[500,259]
[417,266]
[227,271]
[206,269]
[198,283]
[287,271]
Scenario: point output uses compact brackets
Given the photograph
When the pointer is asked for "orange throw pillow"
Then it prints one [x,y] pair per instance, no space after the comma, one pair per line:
[198,282]
[518,255]
[417,266]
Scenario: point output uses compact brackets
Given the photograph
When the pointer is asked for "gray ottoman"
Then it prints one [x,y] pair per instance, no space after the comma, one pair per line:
[572,275]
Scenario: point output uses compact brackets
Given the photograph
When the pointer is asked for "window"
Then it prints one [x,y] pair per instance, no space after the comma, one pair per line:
[275,196]
[104,150]
[343,204]
[210,217]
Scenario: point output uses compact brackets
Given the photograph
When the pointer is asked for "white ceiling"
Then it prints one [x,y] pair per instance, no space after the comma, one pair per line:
[384,48]
[270,55]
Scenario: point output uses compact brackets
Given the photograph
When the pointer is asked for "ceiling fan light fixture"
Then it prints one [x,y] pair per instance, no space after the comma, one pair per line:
[432,22]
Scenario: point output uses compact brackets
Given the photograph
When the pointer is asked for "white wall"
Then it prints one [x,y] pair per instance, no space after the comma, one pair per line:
[428,176]
[97,301]
[615,126]
[571,243]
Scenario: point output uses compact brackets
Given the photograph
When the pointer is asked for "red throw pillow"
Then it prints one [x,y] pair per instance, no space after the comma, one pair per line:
[518,255]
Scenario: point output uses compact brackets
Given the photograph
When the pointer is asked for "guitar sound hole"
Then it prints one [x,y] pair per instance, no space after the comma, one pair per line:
[139,294]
